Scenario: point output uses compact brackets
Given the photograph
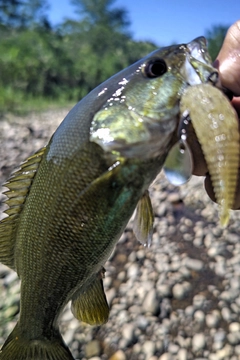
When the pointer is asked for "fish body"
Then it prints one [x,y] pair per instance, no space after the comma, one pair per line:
[70,202]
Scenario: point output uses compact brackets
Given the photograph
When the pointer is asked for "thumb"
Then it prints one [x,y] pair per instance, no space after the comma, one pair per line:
[228,60]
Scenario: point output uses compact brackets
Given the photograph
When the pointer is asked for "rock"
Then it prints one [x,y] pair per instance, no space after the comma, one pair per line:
[165,308]
[118,355]
[213,319]
[229,295]
[180,291]
[148,349]
[92,348]
[162,209]
[198,342]
[218,340]
[234,338]
[199,316]
[165,356]
[110,294]
[235,282]
[189,311]
[164,290]
[234,327]
[142,322]
[151,303]
[173,348]
[193,264]
[224,352]
[198,301]
[128,333]
[237,350]
[174,198]
[182,354]
[226,314]
[133,271]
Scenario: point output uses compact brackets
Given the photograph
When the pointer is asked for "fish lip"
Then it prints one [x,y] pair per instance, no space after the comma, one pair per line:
[198,49]
[197,66]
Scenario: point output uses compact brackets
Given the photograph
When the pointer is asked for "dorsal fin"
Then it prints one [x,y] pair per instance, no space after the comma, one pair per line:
[91,305]
[19,185]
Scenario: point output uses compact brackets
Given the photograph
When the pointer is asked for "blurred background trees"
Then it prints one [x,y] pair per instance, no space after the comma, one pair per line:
[63,63]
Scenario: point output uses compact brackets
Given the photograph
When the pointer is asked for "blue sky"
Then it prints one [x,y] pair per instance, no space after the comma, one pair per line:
[165,21]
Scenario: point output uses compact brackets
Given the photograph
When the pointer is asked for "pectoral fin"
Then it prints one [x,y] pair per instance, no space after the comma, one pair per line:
[143,221]
[19,186]
[91,305]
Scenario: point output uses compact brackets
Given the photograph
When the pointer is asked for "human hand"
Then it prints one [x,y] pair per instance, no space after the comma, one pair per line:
[228,65]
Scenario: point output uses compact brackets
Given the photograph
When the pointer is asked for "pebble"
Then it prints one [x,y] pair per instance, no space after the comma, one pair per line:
[164,290]
[142,322]
[226,314]
[219,339]
[193,264]
[234,327]
[128,333]
[118,355]
[180,291]
[92,349]
[182,354]
[148,348]
[151,303]
[199,316]
[133,271]
[213,319]
[189,310]
[198,301]
[237,350]
[234,338]
[165,356]
[198,342]
[224,352]
[173,348]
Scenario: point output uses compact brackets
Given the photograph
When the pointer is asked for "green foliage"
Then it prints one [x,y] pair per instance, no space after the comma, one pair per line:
[215,38]
[42,64]
[65,63]
[23,13]
[100,12]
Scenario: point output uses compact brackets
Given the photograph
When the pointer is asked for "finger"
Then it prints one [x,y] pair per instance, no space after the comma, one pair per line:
[228,60]
[236,104]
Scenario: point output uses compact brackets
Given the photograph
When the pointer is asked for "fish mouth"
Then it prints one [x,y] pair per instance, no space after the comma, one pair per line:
[197,67]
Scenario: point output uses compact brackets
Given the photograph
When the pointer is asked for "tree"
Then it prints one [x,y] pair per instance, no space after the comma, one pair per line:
[15,14]
[215,37]
[100,12]
[10,12]
[34,13]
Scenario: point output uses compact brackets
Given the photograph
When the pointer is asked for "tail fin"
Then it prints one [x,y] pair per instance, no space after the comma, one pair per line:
[18,348]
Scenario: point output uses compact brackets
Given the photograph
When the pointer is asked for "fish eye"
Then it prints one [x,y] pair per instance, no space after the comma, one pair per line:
[155,68]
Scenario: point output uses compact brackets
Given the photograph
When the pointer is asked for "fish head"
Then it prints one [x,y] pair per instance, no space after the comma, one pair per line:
[140,117]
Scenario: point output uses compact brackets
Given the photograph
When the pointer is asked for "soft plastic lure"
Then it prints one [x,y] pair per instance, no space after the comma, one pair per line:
[216,125]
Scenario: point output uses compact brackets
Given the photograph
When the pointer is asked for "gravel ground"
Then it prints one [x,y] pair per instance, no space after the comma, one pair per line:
[178,299]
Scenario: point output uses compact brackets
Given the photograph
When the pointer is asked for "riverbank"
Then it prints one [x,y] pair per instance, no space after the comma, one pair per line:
[177,300]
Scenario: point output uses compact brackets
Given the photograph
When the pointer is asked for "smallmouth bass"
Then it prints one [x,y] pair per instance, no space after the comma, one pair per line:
[70,202]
